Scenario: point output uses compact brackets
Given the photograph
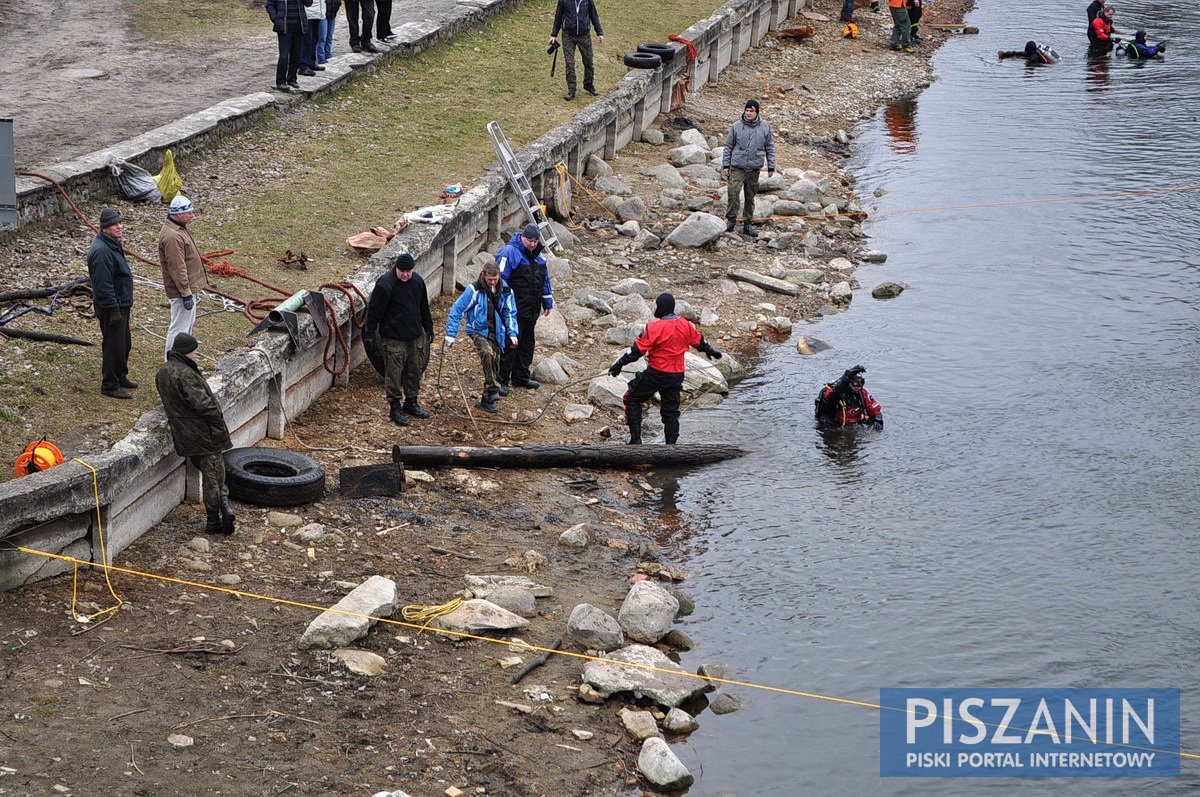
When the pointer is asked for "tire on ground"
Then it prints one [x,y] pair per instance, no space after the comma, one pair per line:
[642,61]
[273,477]
[664,51]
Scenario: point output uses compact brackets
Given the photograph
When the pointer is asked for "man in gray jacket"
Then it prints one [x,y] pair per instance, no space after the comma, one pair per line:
[748,141]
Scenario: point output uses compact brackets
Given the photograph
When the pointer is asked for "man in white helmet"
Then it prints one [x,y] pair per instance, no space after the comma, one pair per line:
[182,269]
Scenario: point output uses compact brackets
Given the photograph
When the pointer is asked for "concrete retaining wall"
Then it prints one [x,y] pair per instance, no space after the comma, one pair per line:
[140,479]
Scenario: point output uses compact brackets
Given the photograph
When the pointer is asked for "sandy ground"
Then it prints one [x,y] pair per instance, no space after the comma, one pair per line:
[71,69]
[90,709]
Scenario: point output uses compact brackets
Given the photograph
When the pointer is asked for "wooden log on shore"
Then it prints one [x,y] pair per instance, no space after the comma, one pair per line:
[39,293]
[564,456]
[763,281]
[29,334]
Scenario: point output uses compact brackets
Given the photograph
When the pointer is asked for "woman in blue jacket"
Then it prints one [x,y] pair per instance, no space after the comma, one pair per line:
[490,311]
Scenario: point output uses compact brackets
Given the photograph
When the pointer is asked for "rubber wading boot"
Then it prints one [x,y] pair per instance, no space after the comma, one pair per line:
[397,415]
[213,525]
[635,437]
[414,409]
[488,403]
[227,515]
[749,230]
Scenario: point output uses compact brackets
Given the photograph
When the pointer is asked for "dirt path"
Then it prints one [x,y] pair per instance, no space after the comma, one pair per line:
[79,77]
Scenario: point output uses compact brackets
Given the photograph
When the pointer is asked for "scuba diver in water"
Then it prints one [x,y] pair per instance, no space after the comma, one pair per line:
[1138,48]
[847,402]
[1034,53]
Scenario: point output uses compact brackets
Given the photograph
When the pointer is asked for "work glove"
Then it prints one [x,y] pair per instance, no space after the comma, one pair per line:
[878,423]
[548,303]
[512,343]
[449,341]
[115,317]
[188,302]
[708,351]
[615,369]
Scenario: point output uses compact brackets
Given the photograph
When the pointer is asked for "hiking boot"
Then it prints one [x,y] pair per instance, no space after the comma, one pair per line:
[570,95]
[355,48]
[908,49]
[295,84]
[213,523]
[487,403]
[370,48]
[307,72]
[528,384]
[730,225]
[503,391]
[414,409]
[285,88]
[917,39]
[227,516]
[128,384]
[748,229]
[319,68]
[591,90]
[397,415]
[117,393]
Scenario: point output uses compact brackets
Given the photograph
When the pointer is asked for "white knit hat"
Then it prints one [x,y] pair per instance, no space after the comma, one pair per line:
[181,204]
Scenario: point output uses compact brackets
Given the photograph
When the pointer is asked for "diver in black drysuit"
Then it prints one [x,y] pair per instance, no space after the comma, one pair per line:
[1034,53]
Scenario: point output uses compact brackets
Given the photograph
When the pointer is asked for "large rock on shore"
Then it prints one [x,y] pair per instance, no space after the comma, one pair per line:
[666,684]
[661,767]
[594,628]
[607,392]
[702,376]
[352,617]
[479,615]
[552,330]
[647,612]
[697,230]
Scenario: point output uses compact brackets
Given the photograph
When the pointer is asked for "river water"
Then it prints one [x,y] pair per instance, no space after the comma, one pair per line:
[1029,517]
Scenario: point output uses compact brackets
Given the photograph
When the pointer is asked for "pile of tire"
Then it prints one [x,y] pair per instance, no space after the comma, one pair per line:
[650,56]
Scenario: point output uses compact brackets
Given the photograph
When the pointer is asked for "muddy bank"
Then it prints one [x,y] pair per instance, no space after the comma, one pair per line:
[265,717]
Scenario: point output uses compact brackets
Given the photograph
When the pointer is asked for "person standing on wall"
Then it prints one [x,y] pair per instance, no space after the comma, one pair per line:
[325,33]
[575,19]
[183,271]
[747,144]
[288,20]
[523,268]
[361,41]
[314,14]
[198,428]
[383,21]
[398,313]
[112,299]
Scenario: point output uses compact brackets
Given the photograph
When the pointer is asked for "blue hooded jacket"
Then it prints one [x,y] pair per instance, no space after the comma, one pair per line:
[472,304]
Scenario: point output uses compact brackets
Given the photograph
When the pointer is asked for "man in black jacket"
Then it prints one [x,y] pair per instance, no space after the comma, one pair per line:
[361,42]
[197,427]
[289,22]
[112,299]
[576,18]
[399,314]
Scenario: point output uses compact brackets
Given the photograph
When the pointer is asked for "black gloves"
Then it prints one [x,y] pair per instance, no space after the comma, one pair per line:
[877,421]
[708,351]
[625,359]
[188,302]
[615,369]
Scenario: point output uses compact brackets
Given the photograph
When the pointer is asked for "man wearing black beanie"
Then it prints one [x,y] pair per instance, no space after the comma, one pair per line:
[398,313]
[197,427]
[749,141]
[664,343]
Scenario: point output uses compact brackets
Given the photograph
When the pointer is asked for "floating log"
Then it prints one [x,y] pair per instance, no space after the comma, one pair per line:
[763,281]
[29,334]
[38,293]
[564,456]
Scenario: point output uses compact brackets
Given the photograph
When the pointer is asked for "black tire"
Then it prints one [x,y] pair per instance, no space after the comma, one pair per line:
[664,51]
[642,61]
[374,352]
[273,477]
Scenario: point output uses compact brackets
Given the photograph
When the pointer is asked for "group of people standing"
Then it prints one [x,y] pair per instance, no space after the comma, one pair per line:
[305,31]
[906,21]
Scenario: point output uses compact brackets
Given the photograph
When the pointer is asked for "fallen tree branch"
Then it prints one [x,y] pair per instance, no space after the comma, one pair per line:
[449,552]
[564,456]
[538,662]
[20,294]
[50,337]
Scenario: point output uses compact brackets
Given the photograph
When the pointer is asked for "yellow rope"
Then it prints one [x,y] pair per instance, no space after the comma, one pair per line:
[87,618]
[427,614]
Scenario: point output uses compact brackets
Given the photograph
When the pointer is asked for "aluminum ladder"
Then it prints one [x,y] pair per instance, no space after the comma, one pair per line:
[520,184]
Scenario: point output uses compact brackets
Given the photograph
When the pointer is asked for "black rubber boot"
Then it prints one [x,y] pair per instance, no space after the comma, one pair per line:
[488,403]
[503,390]
[730,225]
[213,525]
[749,230]
[397,415]
[414,409]
[227,515]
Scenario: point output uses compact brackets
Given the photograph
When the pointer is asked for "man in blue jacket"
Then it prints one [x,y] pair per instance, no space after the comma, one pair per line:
[112,298]
[523,268]
[490,311]
[575,19]
[749,141]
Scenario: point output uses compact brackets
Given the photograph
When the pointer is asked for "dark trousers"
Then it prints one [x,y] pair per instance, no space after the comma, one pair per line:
[515,363]
[641,389]
[308,58]
[291,46]
[403,363]
[848,11]
[584,43]
[115,345]
[368,19]
[383,19]
[741,181]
